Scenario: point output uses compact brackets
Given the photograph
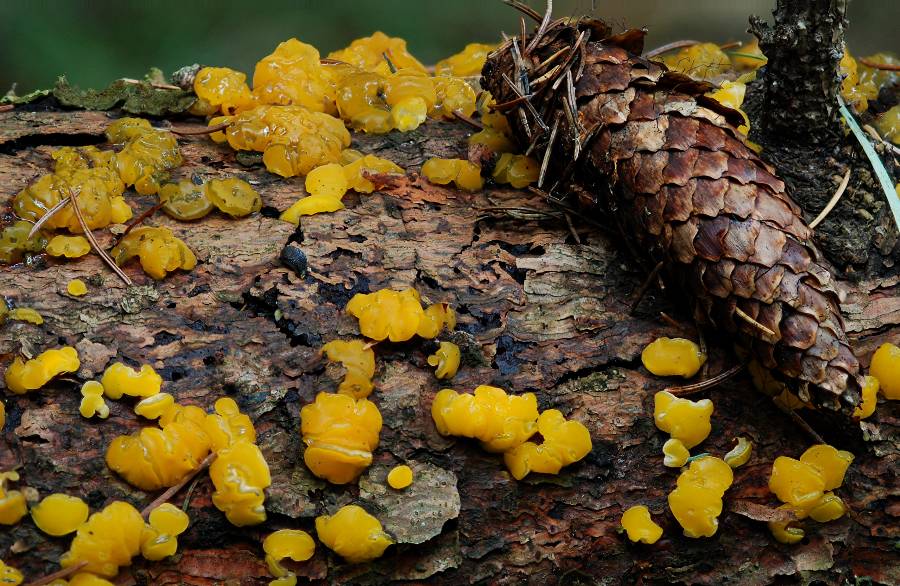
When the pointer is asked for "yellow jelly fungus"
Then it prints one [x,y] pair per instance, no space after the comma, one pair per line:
[353,534]
[787,531]
[500,421]
[796,483]
[696,501]
[359,362]
[15,243]
[308,206]
[855,91]
[517,170]
[68,246]
[467,62]
[292,74]
[228,425]
[223,89]
[639,526]
[159,251]
[400,477]
[739,454]
[446,360]
[287,543]
[464,174]
[2,416]
[675,455]
[186,200]
[355,172]
[683,419]
[701,61]
[155,406]
[888,125]
[494,140]
[748,57]
[885,367]
[22,377]
[92,402]
[120,379]
[154,458]
[340,434]
[454,96]
[565,442]
[673,357]
[233,196]
[869,399]
[240,475]
[828,508]
[831,463]
[147,155]
[107,540]
[119,210]
[394,315]
[12,502]
[368,53]
[59,514]
[731,94]
[76,288]
[10,576]
[26,314]
[159,539]
[435,318]
[84,579]
[328,181]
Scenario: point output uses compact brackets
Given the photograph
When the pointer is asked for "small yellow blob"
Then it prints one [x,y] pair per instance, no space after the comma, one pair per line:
[795,482]
[639,526]
[700,61]
[68,246]
[2,416]
[158,249]
[464,174]
[787,531]
[119,379]
[307,206]
[696,501]
[673,357]
[108,540]
[10,576]
[327,181]
[869,399]
[683,419]
[85,579]
[59,514]
[26,314]
[353,534]
[240,475]
[120,211]
[675,454]
[12,502]
[228,425]
[830,462]
[155,406]
[500,421]
[387,314]
[565,442]
[358,360]
[159,539]
[467,62]
[885,367]
[22,377]
[739,454]
[517,170]
[400,477]
[829,508]
[76,288]
[287,543]
[446,360]
[355,171]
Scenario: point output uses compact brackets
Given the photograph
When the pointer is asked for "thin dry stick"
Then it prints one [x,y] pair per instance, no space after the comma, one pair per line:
[470,121]
[833,201]
[645,287]
[670,47]
[805,426]
[207,130]
[881,66]
[572,227]
[173,490]
[541,29]
[526,10]
[546,162]
[153,84]
[705,384]
[58,575]
[46,217]
[90,236]
[138,220]
[753,322]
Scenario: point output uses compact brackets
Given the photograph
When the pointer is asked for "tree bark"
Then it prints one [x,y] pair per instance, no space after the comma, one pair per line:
[538,311]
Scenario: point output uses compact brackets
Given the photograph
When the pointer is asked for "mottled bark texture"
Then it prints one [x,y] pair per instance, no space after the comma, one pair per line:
[538,311]
[691,194]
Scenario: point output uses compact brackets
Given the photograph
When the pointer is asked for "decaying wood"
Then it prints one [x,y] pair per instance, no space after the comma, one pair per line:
[537,311]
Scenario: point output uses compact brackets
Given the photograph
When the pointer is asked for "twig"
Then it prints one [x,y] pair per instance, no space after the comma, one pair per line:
[6,107]
[90,236]
[524,9]
[876,65]
[138,220]
[572,227]
[190,492]
[705,384]
[470,121]
[753,322]
[833,201]
[173,490]
[645,287]
[58,575]
[46,217]
[153,84]
[390,63]
[669,47]
[666,318]
[546,162]
[207,130]
[541,29]
[805,426]
[330,61]
[550,59]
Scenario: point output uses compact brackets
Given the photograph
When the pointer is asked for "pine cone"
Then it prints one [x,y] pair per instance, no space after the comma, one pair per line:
[670,165]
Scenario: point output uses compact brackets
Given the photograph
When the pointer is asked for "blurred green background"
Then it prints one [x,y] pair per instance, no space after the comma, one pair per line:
[95,41]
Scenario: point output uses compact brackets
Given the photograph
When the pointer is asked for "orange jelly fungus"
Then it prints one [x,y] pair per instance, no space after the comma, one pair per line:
[12,502]
[683,419]
[445,360]
[353,534]
[340,433]
[108,540]
[565,442]
[59,514]
[500,421]
[359,362]
[287,543]
[22,377]
[120,379]
[696,501]
[639,526]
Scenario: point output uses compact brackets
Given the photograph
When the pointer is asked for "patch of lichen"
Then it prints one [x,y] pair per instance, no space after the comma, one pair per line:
[134,98]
